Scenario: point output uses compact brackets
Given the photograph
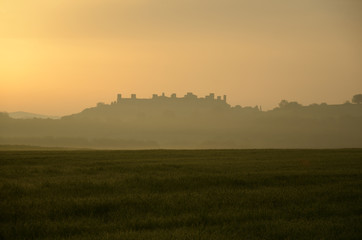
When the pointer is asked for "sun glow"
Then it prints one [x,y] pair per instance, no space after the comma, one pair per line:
[86,51]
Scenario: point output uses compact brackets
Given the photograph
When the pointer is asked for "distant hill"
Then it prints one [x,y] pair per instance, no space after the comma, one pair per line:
[29,148]
[27,115]
[191,122]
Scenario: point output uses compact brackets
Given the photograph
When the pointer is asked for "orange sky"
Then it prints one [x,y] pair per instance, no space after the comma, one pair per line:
[59,57]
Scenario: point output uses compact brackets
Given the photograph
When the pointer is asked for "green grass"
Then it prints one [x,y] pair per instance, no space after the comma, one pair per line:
[164,194]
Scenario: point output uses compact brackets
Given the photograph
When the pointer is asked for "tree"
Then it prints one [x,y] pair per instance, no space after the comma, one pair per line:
[289,105]
[4,115]
[357,98]
[101,104]
[283,103]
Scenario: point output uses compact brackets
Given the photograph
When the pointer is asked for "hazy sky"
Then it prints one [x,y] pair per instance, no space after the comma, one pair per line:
[60,56]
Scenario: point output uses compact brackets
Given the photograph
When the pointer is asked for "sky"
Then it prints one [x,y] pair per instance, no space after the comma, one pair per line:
[58,57]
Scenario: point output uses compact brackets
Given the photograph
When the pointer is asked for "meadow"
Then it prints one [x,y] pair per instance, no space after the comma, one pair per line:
[181,194]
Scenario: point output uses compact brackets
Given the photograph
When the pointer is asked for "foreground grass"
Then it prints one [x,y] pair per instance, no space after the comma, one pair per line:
[211,194]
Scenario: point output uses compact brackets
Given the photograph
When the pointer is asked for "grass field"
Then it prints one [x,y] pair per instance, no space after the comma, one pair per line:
[163,194]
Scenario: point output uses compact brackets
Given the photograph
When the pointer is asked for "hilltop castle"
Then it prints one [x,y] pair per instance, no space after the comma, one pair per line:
[189,97]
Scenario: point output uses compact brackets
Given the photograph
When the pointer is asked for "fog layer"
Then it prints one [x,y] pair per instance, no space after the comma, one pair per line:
[192,122]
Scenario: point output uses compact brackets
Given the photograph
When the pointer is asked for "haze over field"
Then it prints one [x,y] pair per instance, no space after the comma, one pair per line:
[60,57]
[192,122]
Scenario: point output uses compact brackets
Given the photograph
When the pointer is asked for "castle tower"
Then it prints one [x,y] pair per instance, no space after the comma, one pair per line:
[190,95]
[119,97]
[224,98]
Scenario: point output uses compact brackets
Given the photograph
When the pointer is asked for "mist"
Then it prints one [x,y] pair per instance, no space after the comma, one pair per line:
[191,122]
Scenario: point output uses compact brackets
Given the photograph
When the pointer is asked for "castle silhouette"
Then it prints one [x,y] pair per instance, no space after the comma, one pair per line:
[187,99]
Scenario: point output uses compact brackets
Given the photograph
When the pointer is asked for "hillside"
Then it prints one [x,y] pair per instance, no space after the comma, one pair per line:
[27,115]
[192,124]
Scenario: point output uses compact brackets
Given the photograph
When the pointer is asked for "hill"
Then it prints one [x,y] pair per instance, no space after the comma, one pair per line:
[191,122]
[31,148]
[27,115]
